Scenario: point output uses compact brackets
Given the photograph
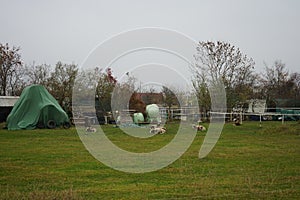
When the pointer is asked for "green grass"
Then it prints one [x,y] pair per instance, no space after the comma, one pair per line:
[248,162]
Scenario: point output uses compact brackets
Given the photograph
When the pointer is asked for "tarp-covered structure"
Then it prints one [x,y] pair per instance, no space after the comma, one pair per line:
[293,115]
[36,107]
[138,118]
[153,114]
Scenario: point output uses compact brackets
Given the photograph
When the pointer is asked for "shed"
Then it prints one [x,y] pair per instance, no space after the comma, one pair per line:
[6,105]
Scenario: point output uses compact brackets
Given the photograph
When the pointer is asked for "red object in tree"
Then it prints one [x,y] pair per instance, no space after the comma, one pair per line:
[111,79]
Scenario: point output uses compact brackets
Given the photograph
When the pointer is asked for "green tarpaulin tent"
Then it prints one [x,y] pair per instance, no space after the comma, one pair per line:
[36,107]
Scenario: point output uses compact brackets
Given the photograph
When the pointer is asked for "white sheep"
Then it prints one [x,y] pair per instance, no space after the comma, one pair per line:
[91,129]
[157,130]
[199,127]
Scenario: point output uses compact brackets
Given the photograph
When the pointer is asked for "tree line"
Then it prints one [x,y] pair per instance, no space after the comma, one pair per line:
[213,61]
[223,61]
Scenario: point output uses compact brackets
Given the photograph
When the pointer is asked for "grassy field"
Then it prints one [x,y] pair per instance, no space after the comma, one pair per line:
[248,162]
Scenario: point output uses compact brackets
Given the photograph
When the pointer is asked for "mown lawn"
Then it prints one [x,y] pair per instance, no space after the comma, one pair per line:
[248,162]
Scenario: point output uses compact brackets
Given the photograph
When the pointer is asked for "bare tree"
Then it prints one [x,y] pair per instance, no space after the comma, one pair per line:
[61,84]
[279,83]
[10,65]
[38,74]
[94,86]
[296,79]
[202,93]
[170,99]
[105,85]
[222,61]
[123,92]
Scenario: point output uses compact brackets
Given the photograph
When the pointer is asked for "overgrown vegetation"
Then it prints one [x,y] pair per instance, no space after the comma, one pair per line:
[248,162]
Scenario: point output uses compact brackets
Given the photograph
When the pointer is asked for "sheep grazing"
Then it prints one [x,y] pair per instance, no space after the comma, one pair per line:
[236,122]
[157,130]
[199,127]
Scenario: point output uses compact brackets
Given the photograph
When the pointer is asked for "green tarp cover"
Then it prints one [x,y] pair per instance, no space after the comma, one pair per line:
[152,112]
[138,118]
[289,112]
[35,106]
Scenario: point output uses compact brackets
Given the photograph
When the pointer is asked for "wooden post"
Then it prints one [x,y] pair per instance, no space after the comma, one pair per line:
[260,120]
[106,121]
[241,118]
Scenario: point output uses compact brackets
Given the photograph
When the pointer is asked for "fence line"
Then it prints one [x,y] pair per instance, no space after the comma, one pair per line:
[258,114]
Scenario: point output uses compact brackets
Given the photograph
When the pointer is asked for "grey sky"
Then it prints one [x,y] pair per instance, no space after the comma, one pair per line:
[54,30]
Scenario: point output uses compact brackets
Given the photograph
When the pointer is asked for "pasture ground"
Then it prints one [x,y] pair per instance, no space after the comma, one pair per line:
[248,162]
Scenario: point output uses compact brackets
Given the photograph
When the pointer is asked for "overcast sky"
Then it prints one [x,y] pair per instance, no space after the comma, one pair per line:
[67,31]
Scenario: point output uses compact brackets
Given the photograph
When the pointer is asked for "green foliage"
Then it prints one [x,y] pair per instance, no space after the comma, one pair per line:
[247,163]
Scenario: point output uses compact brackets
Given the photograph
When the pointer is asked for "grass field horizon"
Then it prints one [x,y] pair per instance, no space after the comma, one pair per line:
[248,162]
